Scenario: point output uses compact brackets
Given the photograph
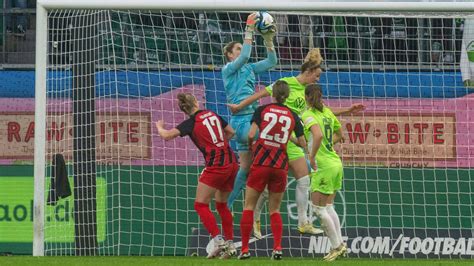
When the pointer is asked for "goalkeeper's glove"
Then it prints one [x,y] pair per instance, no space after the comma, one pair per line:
[268,38]
[250,28]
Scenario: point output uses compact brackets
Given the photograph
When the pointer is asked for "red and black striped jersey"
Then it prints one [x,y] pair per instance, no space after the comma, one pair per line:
[206,130]
[276,122]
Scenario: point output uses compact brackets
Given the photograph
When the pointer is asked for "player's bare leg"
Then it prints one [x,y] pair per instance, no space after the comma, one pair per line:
[300,171]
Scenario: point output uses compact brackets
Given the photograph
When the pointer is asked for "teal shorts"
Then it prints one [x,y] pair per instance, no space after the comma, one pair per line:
[241,125]
[328,180]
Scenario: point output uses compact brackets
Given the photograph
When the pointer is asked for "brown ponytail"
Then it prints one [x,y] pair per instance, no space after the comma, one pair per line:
[313,93]
[228,49]
[281,91]
[186,102]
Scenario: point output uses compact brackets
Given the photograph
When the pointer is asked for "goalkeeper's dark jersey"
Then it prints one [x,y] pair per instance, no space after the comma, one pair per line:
[276,123]
[206,130]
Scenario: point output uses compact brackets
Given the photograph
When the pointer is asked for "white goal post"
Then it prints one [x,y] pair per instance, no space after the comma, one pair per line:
[382,9]
[278,5]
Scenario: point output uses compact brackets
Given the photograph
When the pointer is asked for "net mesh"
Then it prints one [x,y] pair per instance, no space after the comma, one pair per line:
[408,176]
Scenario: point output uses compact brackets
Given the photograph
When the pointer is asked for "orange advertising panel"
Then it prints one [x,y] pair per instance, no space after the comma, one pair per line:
[395,137]
[122,136]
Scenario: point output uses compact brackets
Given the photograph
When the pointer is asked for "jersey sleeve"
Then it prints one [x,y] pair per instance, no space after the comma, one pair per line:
[257,116]
[308,120]
[299,130]
[267,64]
[186,127]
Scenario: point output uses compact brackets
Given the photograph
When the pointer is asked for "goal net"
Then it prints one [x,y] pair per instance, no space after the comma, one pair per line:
[111,75]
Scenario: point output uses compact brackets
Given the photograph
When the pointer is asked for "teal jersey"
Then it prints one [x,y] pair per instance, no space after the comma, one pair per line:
[239,77]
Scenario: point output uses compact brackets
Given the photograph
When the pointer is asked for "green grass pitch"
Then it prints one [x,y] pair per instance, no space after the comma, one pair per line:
[181,261]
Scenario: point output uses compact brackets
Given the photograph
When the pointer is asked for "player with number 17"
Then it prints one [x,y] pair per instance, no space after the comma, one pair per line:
[211,134]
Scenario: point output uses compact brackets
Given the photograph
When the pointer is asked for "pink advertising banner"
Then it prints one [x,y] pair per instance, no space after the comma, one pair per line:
[409,133]
[125,130]
[390,132]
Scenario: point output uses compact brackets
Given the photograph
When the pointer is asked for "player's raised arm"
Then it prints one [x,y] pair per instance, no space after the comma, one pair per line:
[165,133]
[267,63]
[271,60]
[237,54]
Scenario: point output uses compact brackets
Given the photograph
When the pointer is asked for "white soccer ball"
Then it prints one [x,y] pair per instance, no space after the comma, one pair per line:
[265,22]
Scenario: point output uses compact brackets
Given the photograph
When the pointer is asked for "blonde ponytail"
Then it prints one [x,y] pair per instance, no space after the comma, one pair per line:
[314,56]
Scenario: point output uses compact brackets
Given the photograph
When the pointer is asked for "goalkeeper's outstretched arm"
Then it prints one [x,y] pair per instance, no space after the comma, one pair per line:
[271,59]
[266,64]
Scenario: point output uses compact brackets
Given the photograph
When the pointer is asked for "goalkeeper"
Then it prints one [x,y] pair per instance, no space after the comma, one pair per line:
[310,73]
[239,84]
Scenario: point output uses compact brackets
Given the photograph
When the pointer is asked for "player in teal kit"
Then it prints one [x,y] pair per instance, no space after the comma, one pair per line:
[239,84]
